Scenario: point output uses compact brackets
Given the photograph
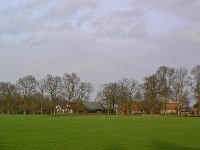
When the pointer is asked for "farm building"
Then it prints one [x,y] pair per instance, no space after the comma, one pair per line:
[173,107]
[170,108]
[64,107]
[131,107]
[197,108]
[94,107]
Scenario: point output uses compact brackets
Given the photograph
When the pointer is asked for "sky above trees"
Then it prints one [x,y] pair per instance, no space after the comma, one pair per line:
[100,40]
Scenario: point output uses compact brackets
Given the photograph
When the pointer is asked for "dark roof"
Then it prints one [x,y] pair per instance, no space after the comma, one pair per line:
[62,104]
[93,105]
[71,105]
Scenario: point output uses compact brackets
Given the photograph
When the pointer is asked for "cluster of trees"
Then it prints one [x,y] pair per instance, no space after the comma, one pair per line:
[114,94]
[29,95]
[165,84]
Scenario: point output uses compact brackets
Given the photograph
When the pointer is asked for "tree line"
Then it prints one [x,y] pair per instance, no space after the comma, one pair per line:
[29,95]
[166,84]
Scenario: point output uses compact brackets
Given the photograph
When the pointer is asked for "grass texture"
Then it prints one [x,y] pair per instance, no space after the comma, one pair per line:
[99,133]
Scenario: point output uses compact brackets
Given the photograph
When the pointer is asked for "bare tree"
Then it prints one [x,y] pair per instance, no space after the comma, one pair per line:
[70,86]
[41,88]
[84,91]
[165,77]
[124,91]
[128,90]
[180,82]
[151,88]
[109,95]
[53,88]
[195,84]
[27,87]
[6,91]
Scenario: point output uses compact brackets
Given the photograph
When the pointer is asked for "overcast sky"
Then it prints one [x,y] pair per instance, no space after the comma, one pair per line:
[101,40]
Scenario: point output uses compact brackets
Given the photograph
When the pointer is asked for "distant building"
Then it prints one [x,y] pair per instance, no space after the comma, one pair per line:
[64,107]
[196,109]
[94,107]
[171,107]
[131,107]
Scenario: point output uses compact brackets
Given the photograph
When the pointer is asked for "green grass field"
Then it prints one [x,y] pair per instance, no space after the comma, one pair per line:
[99,133]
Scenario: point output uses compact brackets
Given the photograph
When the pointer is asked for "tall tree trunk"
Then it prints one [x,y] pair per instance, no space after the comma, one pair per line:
[8,106]
[199,106]
[113,110]
[25,109]
[41,105]
[165,106]
[108,110]
[178,109]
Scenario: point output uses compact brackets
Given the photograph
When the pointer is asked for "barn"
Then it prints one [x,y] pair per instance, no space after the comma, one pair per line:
[86,107]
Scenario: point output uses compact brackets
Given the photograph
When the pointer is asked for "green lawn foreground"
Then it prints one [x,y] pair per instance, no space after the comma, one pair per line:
[20,132]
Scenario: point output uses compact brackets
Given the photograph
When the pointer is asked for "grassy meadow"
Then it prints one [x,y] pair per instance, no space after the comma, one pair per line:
[99,133]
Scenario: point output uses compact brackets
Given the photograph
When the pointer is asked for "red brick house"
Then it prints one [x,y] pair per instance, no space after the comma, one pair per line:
[131,107]
[171,107]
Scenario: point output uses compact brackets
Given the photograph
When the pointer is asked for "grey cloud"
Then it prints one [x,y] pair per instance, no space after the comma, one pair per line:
[123,23]
[64,10]
[34,40]
[30,4]
[118,44]
[187,9]
[187,35]
[55,14]
[18,22]
[182,46]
